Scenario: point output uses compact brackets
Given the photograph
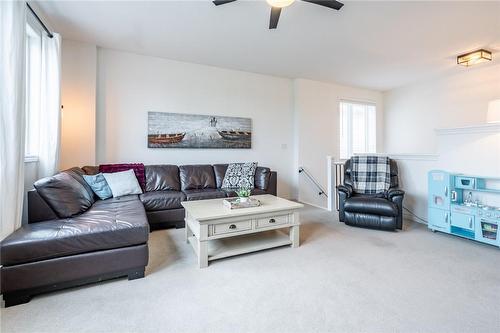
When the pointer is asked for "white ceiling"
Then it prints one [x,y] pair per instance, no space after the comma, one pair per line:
[378,45]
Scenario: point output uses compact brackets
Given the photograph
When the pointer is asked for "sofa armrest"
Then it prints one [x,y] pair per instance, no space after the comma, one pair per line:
[38,209]
[272,188]
[347,189]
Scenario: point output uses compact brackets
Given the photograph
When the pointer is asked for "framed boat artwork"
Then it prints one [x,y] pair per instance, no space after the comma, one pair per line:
[180,130]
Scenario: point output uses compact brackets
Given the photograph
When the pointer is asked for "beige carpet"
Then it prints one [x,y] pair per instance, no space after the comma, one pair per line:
[341,279]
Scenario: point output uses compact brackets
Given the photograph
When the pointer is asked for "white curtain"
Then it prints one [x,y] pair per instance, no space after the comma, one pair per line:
[12,116]
[50,108]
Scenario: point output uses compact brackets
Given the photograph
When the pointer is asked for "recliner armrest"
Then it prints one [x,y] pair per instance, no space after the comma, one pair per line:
[396,196]
[347,189]
[394,192]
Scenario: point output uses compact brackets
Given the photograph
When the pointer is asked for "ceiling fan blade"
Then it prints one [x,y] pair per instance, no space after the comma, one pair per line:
[222,2]
[327,3]
[275,16]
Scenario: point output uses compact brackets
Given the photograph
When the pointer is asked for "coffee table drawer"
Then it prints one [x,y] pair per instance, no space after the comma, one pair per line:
[272,221]
[227,228]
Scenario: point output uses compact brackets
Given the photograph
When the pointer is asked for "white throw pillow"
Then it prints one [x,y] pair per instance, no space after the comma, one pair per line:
[123,183]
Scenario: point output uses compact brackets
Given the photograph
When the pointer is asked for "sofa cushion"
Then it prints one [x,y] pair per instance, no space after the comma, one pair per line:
[204,194]
[123,183]
[91,169]
[64,194]
[371,205]
[99,185]
[196,177]
[220,172]
[262,176]
[78,174]
[109,224]
[137,167]
[160,200]
[240,175]
[162,178]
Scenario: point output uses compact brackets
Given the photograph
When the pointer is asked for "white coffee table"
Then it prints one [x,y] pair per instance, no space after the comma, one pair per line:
[216,231]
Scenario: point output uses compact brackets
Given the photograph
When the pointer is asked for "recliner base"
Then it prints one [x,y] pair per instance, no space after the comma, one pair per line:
[364,220]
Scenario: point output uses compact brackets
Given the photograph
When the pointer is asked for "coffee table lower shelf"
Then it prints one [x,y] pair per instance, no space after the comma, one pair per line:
[232,246]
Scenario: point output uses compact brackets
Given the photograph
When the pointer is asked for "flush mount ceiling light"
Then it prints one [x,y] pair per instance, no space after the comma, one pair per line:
[277,5]
[474,57]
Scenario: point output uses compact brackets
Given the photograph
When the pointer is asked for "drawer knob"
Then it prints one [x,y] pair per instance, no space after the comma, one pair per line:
[272,221]
[232,226]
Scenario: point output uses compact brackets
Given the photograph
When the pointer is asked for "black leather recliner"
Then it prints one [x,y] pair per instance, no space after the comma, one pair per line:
[380,211]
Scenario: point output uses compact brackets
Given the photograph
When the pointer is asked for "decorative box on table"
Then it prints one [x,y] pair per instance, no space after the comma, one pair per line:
[236,203]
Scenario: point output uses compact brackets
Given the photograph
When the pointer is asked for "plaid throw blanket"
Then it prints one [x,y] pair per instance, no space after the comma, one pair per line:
[371,174]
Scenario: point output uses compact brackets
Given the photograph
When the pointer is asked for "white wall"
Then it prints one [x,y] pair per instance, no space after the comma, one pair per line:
[78,96]
[130,85]
[413,113]
[468,152]
[317,111]
[295,121]
[459,99]
[106,96]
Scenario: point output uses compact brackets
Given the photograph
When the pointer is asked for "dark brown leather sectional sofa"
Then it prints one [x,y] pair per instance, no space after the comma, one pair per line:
[72,238]
[168,185]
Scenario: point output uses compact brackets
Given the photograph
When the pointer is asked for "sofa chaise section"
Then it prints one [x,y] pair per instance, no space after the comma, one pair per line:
[106,241]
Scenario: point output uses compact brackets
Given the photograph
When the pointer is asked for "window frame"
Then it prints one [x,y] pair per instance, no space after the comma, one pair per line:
[349,149]
[34,39]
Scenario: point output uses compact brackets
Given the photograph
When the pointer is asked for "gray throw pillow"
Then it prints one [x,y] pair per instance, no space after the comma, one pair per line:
[240,175]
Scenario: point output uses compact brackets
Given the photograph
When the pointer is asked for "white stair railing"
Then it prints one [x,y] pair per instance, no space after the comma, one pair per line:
[335,170]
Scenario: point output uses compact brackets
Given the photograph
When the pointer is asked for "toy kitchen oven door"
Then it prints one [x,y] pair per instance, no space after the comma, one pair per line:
[487,228]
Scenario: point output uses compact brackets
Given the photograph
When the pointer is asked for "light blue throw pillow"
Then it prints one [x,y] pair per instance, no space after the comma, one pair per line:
[99,185]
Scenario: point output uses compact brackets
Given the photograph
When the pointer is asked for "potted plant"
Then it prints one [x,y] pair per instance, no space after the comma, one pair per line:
[243,193]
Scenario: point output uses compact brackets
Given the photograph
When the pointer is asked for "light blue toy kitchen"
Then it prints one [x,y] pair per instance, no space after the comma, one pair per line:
[465,206]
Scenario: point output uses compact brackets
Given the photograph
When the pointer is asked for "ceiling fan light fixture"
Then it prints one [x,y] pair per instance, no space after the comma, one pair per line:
[280,3]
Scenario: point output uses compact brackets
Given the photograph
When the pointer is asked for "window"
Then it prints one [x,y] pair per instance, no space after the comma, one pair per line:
[33,88]
[357,128]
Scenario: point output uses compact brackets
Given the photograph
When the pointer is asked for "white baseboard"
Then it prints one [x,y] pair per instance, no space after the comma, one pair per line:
[314,205]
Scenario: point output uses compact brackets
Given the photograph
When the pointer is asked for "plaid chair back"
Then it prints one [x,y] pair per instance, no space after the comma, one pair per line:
[371,174]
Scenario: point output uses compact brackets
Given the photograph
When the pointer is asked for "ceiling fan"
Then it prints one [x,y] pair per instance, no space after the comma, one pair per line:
[277,5]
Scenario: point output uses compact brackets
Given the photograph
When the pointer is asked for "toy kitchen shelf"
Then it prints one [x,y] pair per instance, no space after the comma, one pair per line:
[452,209]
